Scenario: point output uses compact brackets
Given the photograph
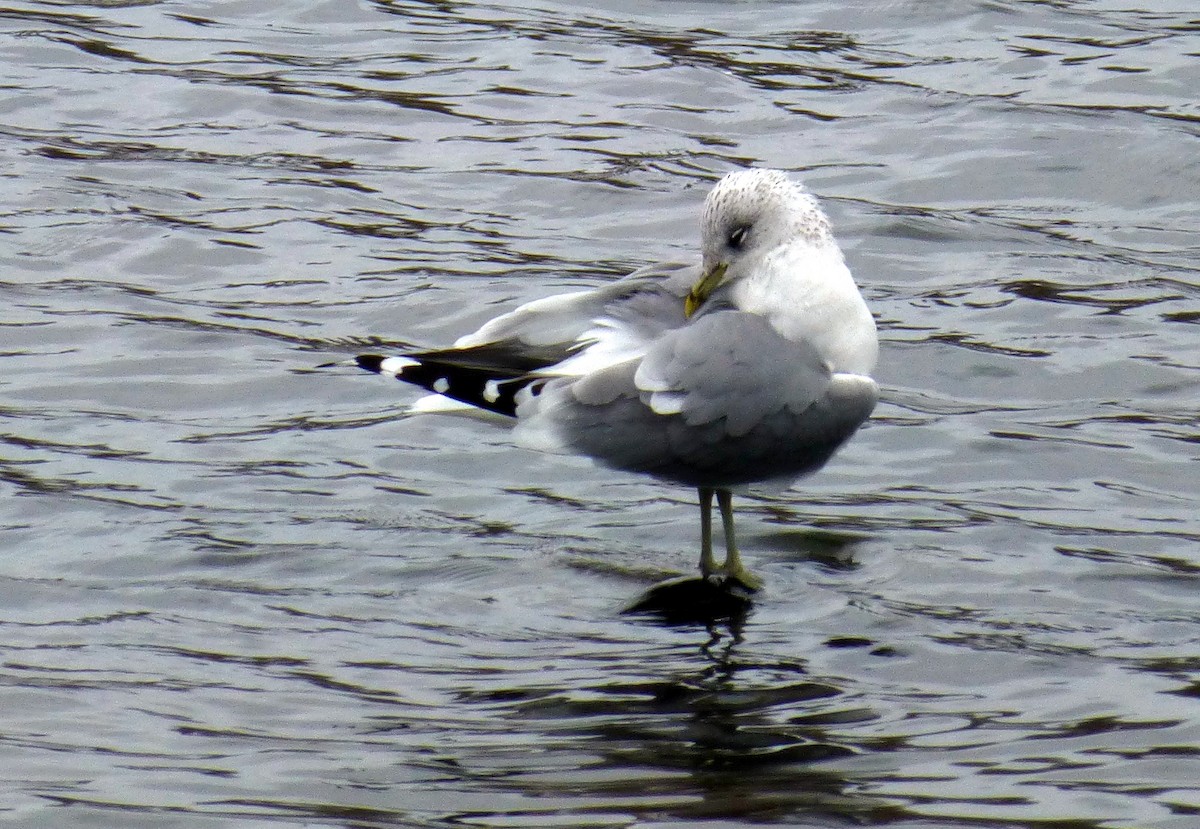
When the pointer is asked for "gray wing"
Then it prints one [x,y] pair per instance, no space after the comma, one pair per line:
[723,400]
[492,367]
[649,299]
[730,365]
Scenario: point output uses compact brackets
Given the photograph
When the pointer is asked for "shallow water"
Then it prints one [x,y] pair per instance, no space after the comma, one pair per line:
[236,590]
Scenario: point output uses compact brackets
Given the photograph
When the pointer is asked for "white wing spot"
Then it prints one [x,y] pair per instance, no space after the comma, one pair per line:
[491,391]
[396,365]
[441,385]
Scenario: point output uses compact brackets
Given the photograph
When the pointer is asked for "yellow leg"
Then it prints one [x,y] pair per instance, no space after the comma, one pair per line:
[708,564]
[733,567]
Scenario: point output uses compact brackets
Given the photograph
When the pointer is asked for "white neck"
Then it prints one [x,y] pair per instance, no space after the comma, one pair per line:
[806,292]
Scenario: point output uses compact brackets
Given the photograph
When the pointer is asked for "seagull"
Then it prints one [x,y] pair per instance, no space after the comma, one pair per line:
[748,368]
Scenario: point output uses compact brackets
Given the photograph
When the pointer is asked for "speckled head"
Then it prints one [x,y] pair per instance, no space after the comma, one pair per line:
[751,212]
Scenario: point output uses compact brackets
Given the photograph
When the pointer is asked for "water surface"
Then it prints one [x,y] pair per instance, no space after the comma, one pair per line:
[236,590]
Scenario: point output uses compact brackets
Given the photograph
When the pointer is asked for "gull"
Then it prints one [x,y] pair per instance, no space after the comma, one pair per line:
[748,368]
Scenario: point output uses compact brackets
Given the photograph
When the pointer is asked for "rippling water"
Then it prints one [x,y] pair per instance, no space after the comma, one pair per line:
[239,591]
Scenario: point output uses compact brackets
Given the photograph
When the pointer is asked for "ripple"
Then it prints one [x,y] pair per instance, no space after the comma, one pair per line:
[241,588]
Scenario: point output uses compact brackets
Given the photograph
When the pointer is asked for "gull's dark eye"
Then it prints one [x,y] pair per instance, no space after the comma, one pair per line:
[737,237]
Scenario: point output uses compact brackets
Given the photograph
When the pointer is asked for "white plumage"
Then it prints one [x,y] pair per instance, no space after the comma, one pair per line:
[752,366]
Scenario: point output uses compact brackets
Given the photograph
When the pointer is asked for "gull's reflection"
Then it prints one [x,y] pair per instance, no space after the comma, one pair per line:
[707,729]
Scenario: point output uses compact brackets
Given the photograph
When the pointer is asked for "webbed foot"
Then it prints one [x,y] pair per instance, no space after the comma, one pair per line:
[738,575]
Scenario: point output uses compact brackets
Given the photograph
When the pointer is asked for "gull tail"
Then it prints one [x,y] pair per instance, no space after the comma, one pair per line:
[472,376]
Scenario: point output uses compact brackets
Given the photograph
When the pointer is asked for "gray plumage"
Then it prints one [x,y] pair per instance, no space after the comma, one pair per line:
[703,407]
[750,367]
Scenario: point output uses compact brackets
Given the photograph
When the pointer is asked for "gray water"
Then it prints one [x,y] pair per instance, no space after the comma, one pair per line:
[239,591]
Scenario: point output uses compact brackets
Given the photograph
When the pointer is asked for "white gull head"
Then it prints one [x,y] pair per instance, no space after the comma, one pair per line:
[769,247]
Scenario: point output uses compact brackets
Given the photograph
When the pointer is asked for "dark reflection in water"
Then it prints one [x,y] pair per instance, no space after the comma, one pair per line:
[699,745]
[238,590]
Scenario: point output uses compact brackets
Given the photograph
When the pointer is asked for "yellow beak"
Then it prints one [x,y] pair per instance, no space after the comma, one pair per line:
[701,291]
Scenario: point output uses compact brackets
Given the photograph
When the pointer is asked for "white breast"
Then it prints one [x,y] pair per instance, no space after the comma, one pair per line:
[807,293]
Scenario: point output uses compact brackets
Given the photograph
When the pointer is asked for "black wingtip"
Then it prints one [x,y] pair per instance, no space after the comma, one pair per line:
[371,362]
